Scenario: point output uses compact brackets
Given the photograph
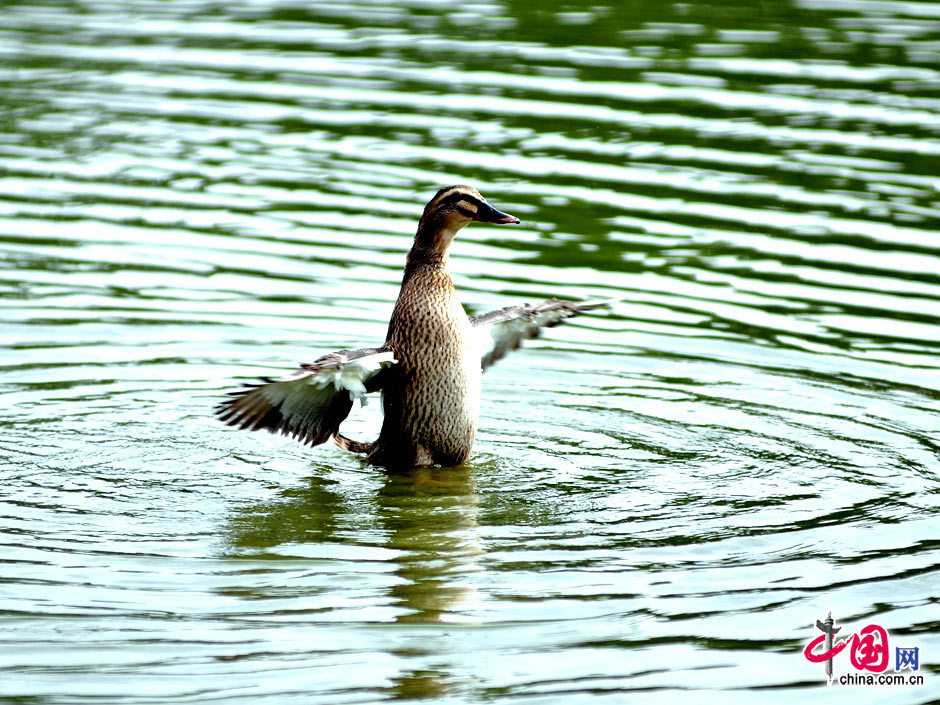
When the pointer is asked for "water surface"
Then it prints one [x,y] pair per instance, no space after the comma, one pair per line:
[662,498]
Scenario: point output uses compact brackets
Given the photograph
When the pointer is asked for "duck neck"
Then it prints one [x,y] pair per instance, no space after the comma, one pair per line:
[431,246]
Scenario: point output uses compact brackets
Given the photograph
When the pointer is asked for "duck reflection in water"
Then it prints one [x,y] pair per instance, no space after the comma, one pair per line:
[431,515]
[419,570]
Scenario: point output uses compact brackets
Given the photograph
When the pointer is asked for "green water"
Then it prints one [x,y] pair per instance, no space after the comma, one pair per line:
[663,497]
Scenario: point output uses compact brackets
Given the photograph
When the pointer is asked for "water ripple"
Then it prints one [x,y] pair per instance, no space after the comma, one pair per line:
[663,497]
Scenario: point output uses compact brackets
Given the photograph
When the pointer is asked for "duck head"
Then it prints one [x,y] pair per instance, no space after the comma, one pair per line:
[451,209]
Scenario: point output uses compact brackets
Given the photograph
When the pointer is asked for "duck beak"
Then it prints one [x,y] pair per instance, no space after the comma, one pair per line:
[488,214]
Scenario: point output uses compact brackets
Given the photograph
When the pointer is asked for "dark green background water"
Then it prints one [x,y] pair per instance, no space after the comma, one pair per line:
[663,497]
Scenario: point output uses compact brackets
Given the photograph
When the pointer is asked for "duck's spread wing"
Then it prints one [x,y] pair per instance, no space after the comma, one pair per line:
[502,331]
[310,404]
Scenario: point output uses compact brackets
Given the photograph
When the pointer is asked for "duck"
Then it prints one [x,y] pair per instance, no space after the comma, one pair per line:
[429,369]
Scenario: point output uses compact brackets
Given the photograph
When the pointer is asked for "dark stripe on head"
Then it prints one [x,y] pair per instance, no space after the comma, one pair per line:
[434,203]
[445,189]
[461,196]
[443,199]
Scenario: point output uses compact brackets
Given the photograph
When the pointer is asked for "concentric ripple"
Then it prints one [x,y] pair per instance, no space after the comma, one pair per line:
[663,497]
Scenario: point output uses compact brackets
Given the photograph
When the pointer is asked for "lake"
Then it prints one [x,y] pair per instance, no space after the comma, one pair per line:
[663,497]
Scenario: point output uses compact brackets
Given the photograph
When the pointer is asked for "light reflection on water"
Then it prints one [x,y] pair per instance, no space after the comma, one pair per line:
[663,498]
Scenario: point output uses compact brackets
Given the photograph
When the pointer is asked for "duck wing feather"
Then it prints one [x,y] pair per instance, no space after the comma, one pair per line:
[310,404]
[501,331]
